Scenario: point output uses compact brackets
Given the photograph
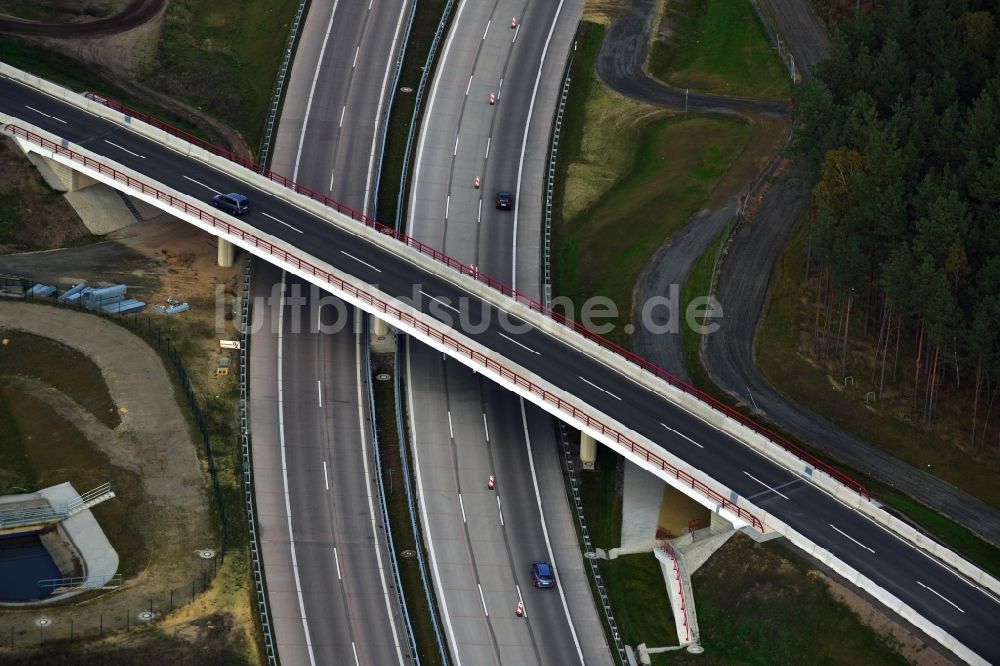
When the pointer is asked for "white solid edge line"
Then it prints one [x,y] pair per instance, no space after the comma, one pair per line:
[798,477]
[431,100]
[436,574]
[524,138]
[368,488]
[312,91]
[545,531]
[284,476]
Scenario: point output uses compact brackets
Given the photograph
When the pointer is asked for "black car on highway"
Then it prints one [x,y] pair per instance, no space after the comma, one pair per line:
[505,200]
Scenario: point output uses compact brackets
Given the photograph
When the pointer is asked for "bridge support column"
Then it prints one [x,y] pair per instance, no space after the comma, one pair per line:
[58,176]
[588,451]
[679,514]
[383,338]
[227,253]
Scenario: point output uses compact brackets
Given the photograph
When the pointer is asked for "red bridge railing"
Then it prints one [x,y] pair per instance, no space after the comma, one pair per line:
[669,550]
[502,287]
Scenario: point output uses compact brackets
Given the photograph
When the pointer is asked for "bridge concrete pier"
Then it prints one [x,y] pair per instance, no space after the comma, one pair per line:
[588,451]
[383,338]
[58,176]
[227,253]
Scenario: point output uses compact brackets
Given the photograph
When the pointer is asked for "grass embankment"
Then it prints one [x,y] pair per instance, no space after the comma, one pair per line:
[786,326]
[223,56]
[634,583]
[635,176]
[697,285]
[81,78]
[761,604]
[399,517]
[717,46]
[425,24]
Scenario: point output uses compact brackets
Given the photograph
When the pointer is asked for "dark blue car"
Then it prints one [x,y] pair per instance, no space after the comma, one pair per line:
[542,574]
[232,203]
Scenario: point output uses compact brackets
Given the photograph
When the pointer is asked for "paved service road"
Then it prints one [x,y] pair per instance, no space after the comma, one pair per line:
[330,585]
[466,428]
[965,611]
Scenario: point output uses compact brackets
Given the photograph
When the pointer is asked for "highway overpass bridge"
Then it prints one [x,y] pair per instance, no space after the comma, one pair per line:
[719,458]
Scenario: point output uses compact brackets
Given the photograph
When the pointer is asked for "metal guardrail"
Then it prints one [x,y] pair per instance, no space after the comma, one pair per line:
[386,525]
[417,101]
[550,180]
[469,271]
[31,515]
[589,558]
[772,33]
[595,573]
[279,84]
[80,582]
[412,504]
[672,554]
[260,591]
[361,294]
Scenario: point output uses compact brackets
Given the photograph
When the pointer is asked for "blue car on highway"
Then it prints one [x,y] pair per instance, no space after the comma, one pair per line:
[542,574]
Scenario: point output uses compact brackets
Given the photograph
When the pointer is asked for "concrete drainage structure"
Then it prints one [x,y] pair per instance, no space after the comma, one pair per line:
[60,519]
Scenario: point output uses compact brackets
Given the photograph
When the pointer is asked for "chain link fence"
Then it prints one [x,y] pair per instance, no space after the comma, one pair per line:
[92,621]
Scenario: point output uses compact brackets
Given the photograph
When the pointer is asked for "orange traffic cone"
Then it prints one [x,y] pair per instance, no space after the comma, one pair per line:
[519,611]
[476,184]
[493,99]
[491,482]
[513,22]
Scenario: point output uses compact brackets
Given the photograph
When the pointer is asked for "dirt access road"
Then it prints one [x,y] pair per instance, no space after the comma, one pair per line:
[134,15]
[153,439]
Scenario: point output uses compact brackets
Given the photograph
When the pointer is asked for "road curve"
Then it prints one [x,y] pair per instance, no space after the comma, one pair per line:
[965,611]
[620,65]
[132,16]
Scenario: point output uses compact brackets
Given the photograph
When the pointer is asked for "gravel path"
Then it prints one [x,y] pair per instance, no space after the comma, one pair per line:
[728,355]
[668,270]
[137,13]
[620,66]
[154,434]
